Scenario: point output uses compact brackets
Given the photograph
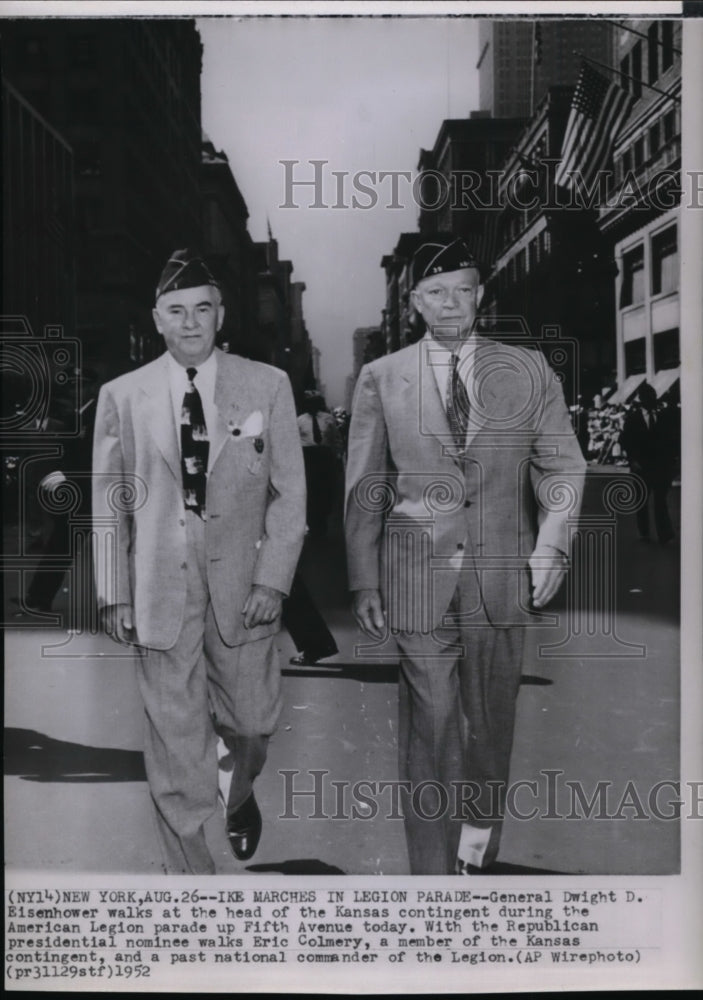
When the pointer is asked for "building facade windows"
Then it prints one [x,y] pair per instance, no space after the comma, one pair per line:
[669,125]
[635,357]
[665,262]
[636,63]
[654,139]
[633,277]
[653,52]
[625,81]
[639,152]
[648,315]
[666,349]
[667,46]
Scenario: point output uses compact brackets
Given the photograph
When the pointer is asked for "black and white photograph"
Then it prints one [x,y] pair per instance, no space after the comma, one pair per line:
[351,453]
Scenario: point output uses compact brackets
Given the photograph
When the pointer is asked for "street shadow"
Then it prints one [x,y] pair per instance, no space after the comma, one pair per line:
[503,868]
[313,866]
[373,673]
[299,866]
[33,756]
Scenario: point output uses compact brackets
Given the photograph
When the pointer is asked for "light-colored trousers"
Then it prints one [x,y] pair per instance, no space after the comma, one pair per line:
[195,691]
[457,696]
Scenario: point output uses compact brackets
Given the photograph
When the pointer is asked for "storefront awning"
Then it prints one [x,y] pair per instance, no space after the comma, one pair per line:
[664,380]
[628,388]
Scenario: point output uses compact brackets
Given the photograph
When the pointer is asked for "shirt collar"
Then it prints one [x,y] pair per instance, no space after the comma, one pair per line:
[207,368]
[467,345]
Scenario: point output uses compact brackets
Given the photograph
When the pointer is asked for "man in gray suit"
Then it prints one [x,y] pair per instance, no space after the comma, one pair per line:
[463,484]
[199,515]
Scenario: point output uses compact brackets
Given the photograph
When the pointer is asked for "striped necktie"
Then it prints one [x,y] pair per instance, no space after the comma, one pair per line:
[195,447]
[457,404]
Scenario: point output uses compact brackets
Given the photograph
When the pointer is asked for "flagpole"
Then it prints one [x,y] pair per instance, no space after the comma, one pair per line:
[625,76]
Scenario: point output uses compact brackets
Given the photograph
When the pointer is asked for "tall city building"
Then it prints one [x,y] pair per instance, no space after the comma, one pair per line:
[37,208]
[641,218]
[229,248]
[520,59]
[125,96]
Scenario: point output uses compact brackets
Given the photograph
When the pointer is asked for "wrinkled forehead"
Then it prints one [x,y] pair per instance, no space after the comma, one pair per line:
[470,275]
[189,297]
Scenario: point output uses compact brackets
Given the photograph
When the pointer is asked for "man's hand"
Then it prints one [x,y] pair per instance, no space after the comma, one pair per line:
[263,606]
[368,611]
[548,568]
[118,622]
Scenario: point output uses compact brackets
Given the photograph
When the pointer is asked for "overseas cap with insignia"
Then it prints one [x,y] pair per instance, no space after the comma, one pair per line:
[184,269]
[440,254]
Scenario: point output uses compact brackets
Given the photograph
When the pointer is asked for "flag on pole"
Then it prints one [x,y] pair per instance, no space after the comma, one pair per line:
[598,109]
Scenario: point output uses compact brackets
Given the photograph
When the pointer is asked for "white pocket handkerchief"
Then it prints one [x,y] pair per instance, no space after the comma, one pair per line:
[252,426]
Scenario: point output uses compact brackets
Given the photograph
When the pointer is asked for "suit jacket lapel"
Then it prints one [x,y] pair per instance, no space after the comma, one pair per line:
[158,420]
[230,396]
[482,395]
[433,417]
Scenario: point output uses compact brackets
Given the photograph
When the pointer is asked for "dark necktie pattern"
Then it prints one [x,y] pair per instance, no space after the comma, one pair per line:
[195,447]
[457,404]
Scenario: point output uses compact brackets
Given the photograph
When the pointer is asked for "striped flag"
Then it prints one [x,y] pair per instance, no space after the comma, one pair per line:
[598,109]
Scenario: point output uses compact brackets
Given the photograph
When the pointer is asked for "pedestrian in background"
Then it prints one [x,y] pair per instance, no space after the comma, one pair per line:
[649,438]
[322,451]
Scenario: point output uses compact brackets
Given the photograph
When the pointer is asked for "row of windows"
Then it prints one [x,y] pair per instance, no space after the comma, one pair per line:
[520,265]
[647,145]
[666,353]
[664,272]
[658,51]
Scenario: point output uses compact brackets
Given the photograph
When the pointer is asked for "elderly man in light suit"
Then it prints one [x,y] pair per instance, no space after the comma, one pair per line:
[199,512]
[463,484]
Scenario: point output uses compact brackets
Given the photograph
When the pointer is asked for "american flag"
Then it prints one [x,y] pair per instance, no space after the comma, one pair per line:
[598,109]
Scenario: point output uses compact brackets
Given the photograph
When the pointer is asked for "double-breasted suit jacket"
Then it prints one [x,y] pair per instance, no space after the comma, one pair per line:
[255,498]
[419,509]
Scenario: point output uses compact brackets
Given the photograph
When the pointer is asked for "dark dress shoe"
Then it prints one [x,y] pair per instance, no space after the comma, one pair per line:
[244,829]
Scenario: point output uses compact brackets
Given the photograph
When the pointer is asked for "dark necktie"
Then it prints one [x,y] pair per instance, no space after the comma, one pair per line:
[316,432]
[195,447]
[457,404]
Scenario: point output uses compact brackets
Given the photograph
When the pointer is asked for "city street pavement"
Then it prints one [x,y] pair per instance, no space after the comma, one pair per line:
[599,703]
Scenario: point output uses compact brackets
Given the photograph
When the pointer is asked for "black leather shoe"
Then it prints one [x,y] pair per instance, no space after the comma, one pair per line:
[244,829]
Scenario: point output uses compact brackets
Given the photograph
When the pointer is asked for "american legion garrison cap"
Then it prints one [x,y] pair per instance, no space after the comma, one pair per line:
[440,254]
[184,269]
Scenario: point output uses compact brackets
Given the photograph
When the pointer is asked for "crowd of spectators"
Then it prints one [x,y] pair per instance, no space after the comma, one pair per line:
[599,428]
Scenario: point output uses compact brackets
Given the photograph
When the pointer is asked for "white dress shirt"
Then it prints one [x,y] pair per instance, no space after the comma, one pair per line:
[439,357]
[204,383]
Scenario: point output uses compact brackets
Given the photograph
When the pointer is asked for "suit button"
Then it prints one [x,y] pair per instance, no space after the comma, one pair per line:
[182,523]
[467,503]
[460,546]
[184,565]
